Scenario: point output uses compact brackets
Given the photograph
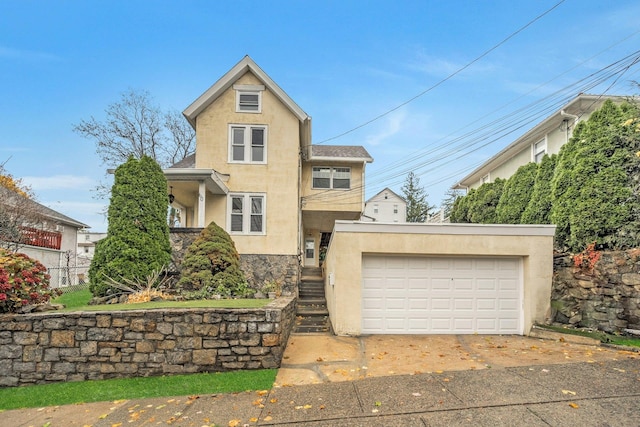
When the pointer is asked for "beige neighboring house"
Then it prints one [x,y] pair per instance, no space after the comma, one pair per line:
[257,175]
[386,206]
[51,238]
[545,138]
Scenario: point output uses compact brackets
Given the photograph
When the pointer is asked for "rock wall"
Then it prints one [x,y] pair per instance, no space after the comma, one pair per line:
[283,269]
[51,347]
[597,290]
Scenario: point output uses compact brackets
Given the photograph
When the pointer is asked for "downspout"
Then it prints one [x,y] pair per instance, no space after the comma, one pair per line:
[575,120]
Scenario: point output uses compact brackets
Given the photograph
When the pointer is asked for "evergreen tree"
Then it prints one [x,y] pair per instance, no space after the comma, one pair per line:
[538,210]
[595,187]
[460,209]
[483,203]
[211,265]
[418,208]
[137,241]
[450,198]
[516,194]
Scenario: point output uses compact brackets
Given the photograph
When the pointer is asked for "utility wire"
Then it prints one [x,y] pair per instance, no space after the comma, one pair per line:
[449,77]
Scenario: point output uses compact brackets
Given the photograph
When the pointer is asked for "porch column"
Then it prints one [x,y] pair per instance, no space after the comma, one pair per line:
[202,198]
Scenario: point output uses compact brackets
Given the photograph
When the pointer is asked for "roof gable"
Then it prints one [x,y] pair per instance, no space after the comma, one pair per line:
[390,195]
[345,153]
[227,81]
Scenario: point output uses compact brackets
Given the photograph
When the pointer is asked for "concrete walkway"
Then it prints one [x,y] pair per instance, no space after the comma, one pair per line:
[496,381]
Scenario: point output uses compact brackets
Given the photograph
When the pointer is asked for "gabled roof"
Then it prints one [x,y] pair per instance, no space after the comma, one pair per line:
[386,190]
[574,109]
[226,81]
[345,153]
[187,162]
[55,216]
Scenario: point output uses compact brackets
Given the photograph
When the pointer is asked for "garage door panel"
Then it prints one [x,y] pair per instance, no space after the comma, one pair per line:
[441,295]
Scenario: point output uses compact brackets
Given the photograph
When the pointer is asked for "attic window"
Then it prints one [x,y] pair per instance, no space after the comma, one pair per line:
[539,150]
[248,98]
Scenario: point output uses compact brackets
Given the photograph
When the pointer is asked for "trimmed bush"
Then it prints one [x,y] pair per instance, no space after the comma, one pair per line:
[516,194]
[460,209]
[23,282]
[211,266]
[137,242]
[482,207]
[595,186]
[538,211]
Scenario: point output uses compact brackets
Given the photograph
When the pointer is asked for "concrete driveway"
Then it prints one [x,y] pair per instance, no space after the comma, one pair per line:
[313,359]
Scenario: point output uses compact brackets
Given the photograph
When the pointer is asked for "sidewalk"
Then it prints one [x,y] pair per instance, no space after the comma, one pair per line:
[589,393]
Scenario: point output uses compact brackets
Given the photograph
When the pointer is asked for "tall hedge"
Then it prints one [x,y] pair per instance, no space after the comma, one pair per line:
[516,194]
[137,241]
[211,266]
[460,209]
[595,186]
[538,210]
[482,208]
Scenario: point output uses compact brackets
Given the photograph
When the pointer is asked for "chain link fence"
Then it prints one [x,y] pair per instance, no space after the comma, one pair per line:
[69,278]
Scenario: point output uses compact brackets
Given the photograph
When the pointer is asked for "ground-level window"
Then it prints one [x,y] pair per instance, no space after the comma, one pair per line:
[328,177]
[247,213]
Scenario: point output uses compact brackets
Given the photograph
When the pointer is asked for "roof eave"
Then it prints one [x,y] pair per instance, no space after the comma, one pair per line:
[341,159]
[226,81]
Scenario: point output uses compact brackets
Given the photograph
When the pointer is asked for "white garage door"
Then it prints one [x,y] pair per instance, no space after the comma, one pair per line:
[433,295]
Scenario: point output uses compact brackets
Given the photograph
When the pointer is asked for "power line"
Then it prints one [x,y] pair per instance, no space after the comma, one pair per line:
[450,76]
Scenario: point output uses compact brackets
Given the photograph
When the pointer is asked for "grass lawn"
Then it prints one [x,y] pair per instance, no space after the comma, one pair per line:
[79,301]
[599,335]
[135,388]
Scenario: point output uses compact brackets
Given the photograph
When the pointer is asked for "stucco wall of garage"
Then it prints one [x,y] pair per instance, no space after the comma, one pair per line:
[351,240]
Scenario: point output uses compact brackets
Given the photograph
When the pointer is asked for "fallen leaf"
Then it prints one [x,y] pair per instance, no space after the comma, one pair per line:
[263,392]
[268,418]
[322,406]
[116,425]
[253,420]
[573,393]
[103,416]
[574,405]
[374,411]
[416,394]
[274,400]
[378,403]
[319,359]
[234,423]
[160,406]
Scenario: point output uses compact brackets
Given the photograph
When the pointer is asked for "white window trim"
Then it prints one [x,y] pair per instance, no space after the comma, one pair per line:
[544,150]
[332,170]
[485,179]
[247,143]
[246,214]
[249,89]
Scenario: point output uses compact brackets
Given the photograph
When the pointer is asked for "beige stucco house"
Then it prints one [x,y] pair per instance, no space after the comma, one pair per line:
[545,138]
[257,175]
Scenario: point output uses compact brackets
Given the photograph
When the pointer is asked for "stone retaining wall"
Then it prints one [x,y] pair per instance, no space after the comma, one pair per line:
[605,295]
[51,347]
[258,269]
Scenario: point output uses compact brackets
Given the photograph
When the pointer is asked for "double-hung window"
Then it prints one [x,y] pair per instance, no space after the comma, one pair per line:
[247,214]
[327,177]
[248,144]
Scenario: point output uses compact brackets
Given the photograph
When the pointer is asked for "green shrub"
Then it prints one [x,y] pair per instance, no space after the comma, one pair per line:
[23,281]
[483,203]
[595,186]
[137,241]
[460,209]
[516,194]
[538,211]
[211,266]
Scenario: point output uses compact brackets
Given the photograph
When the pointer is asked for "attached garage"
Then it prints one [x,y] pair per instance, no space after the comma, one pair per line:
[441,295]
[438,278]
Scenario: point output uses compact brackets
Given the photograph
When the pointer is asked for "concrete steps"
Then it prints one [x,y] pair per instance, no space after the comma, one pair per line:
[312,315]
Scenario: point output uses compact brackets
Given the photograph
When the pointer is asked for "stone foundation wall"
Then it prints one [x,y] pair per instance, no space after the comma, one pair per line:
[605,296]
[51,347]
[258,269]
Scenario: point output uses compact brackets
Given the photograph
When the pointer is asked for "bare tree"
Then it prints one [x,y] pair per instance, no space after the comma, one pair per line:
[135,126]
[17,210]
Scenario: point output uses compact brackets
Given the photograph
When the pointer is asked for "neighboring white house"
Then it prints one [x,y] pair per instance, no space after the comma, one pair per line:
[386,206]
[48,236]
[545,138]
[87,244]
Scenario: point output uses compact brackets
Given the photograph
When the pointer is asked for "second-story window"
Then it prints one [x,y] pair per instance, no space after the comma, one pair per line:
[539,150]
[248,144]
[248,100]
[327,177]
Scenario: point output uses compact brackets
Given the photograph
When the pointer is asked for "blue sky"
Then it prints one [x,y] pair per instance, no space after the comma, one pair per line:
[344,62]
